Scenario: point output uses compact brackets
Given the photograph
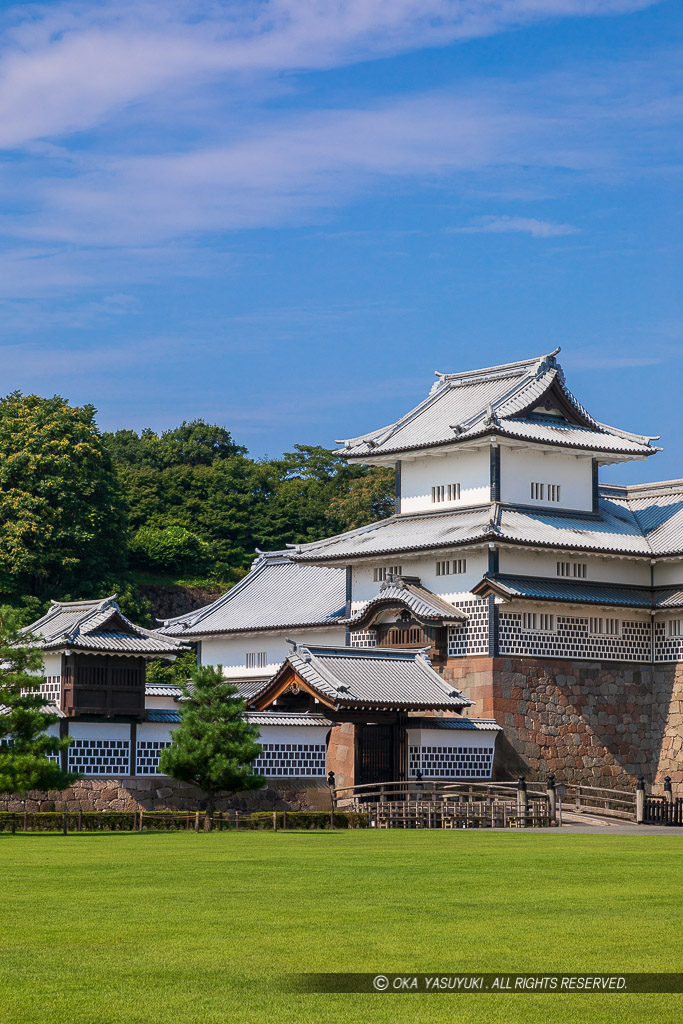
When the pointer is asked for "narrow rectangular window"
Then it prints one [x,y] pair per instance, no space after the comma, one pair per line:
[460,565]
[675,627]
[443,568]
[445,492]
[601,626]
[256,659]
[395,570]
[540,622]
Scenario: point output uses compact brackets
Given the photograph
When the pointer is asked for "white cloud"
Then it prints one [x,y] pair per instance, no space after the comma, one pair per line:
[68,67]
[523,225]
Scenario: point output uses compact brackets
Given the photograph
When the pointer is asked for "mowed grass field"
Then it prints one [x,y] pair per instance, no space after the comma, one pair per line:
[102,929]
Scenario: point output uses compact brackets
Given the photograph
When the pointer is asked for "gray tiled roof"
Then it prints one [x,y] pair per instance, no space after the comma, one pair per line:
[646,522]
[162,715]
[543,588]
[416,532]
[98,626]
[423,604]
[551,589]
[372,677]
[162,690]
[471,724]
[288,718]
[500,400]
[276,594]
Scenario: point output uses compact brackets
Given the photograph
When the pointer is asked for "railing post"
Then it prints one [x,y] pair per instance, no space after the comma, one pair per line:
[552,798]
[333,789]
[522,800]
[668,795]
[640,800]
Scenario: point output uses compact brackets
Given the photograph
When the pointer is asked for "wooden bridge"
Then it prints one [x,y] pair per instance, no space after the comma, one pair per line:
[439,803]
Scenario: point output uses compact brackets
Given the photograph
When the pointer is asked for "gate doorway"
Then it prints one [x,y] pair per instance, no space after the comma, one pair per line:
[376,759]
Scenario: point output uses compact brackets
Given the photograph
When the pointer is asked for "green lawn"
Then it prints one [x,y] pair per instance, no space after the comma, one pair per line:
[102,929]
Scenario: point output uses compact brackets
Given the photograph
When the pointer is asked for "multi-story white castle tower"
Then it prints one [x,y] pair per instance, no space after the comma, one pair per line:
[554,603]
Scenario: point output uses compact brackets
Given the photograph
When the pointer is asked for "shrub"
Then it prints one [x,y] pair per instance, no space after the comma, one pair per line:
[263,820]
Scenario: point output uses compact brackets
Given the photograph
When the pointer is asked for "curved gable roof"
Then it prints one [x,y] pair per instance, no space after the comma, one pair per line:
[98,626]
[509,400]
[276,594]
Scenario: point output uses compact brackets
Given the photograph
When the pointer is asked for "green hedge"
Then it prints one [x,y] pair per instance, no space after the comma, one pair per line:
[53,821]
[168,821]
[305,820]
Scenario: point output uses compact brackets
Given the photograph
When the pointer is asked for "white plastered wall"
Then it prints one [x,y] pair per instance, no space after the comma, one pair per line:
[668,574]
[454,587]
[527,562]
[470,469]
[159,731]
[100,730]
[451,738]
[520,467]
[231,651]
[293,733]
[161,703]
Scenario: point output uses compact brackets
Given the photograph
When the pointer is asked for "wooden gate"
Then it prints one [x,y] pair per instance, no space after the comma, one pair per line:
[376,754]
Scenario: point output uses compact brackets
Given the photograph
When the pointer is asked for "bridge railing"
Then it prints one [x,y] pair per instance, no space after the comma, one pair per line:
[597,800]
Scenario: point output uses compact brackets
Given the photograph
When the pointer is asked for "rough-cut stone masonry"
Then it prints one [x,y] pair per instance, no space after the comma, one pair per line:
[163,794]
[596,723]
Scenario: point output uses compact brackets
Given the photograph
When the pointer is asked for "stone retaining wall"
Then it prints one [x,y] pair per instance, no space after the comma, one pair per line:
[601,724]
[162,794]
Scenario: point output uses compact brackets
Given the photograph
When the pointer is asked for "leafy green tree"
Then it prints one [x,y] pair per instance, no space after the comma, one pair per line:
[173,549]
[25,750]
[367,499]
[62,516]
[214,746]
[199,506]
[171,673]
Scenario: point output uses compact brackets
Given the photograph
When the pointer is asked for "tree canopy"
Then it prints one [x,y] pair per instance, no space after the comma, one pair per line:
[29,759]
[199,506]
[83,513]
[62,515]
[214,747]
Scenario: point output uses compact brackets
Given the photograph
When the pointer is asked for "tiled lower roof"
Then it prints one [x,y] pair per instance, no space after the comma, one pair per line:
[162,690]
[276,594]
[640,526]
[288,718]
[471,724]
[542,588]
[162,715]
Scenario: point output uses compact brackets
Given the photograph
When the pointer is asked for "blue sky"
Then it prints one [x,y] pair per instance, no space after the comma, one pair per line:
[285,215]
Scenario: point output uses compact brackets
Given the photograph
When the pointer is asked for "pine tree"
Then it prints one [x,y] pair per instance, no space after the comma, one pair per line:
[25,749]
[214,746]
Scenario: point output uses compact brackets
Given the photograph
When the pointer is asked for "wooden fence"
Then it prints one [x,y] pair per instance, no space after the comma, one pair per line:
[661,811]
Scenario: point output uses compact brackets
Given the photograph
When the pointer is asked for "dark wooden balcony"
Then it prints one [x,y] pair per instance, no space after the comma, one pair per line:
[109,685]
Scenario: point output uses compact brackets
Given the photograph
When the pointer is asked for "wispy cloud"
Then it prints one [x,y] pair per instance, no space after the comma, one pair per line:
[521,225]
[70,66]
[147,128]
